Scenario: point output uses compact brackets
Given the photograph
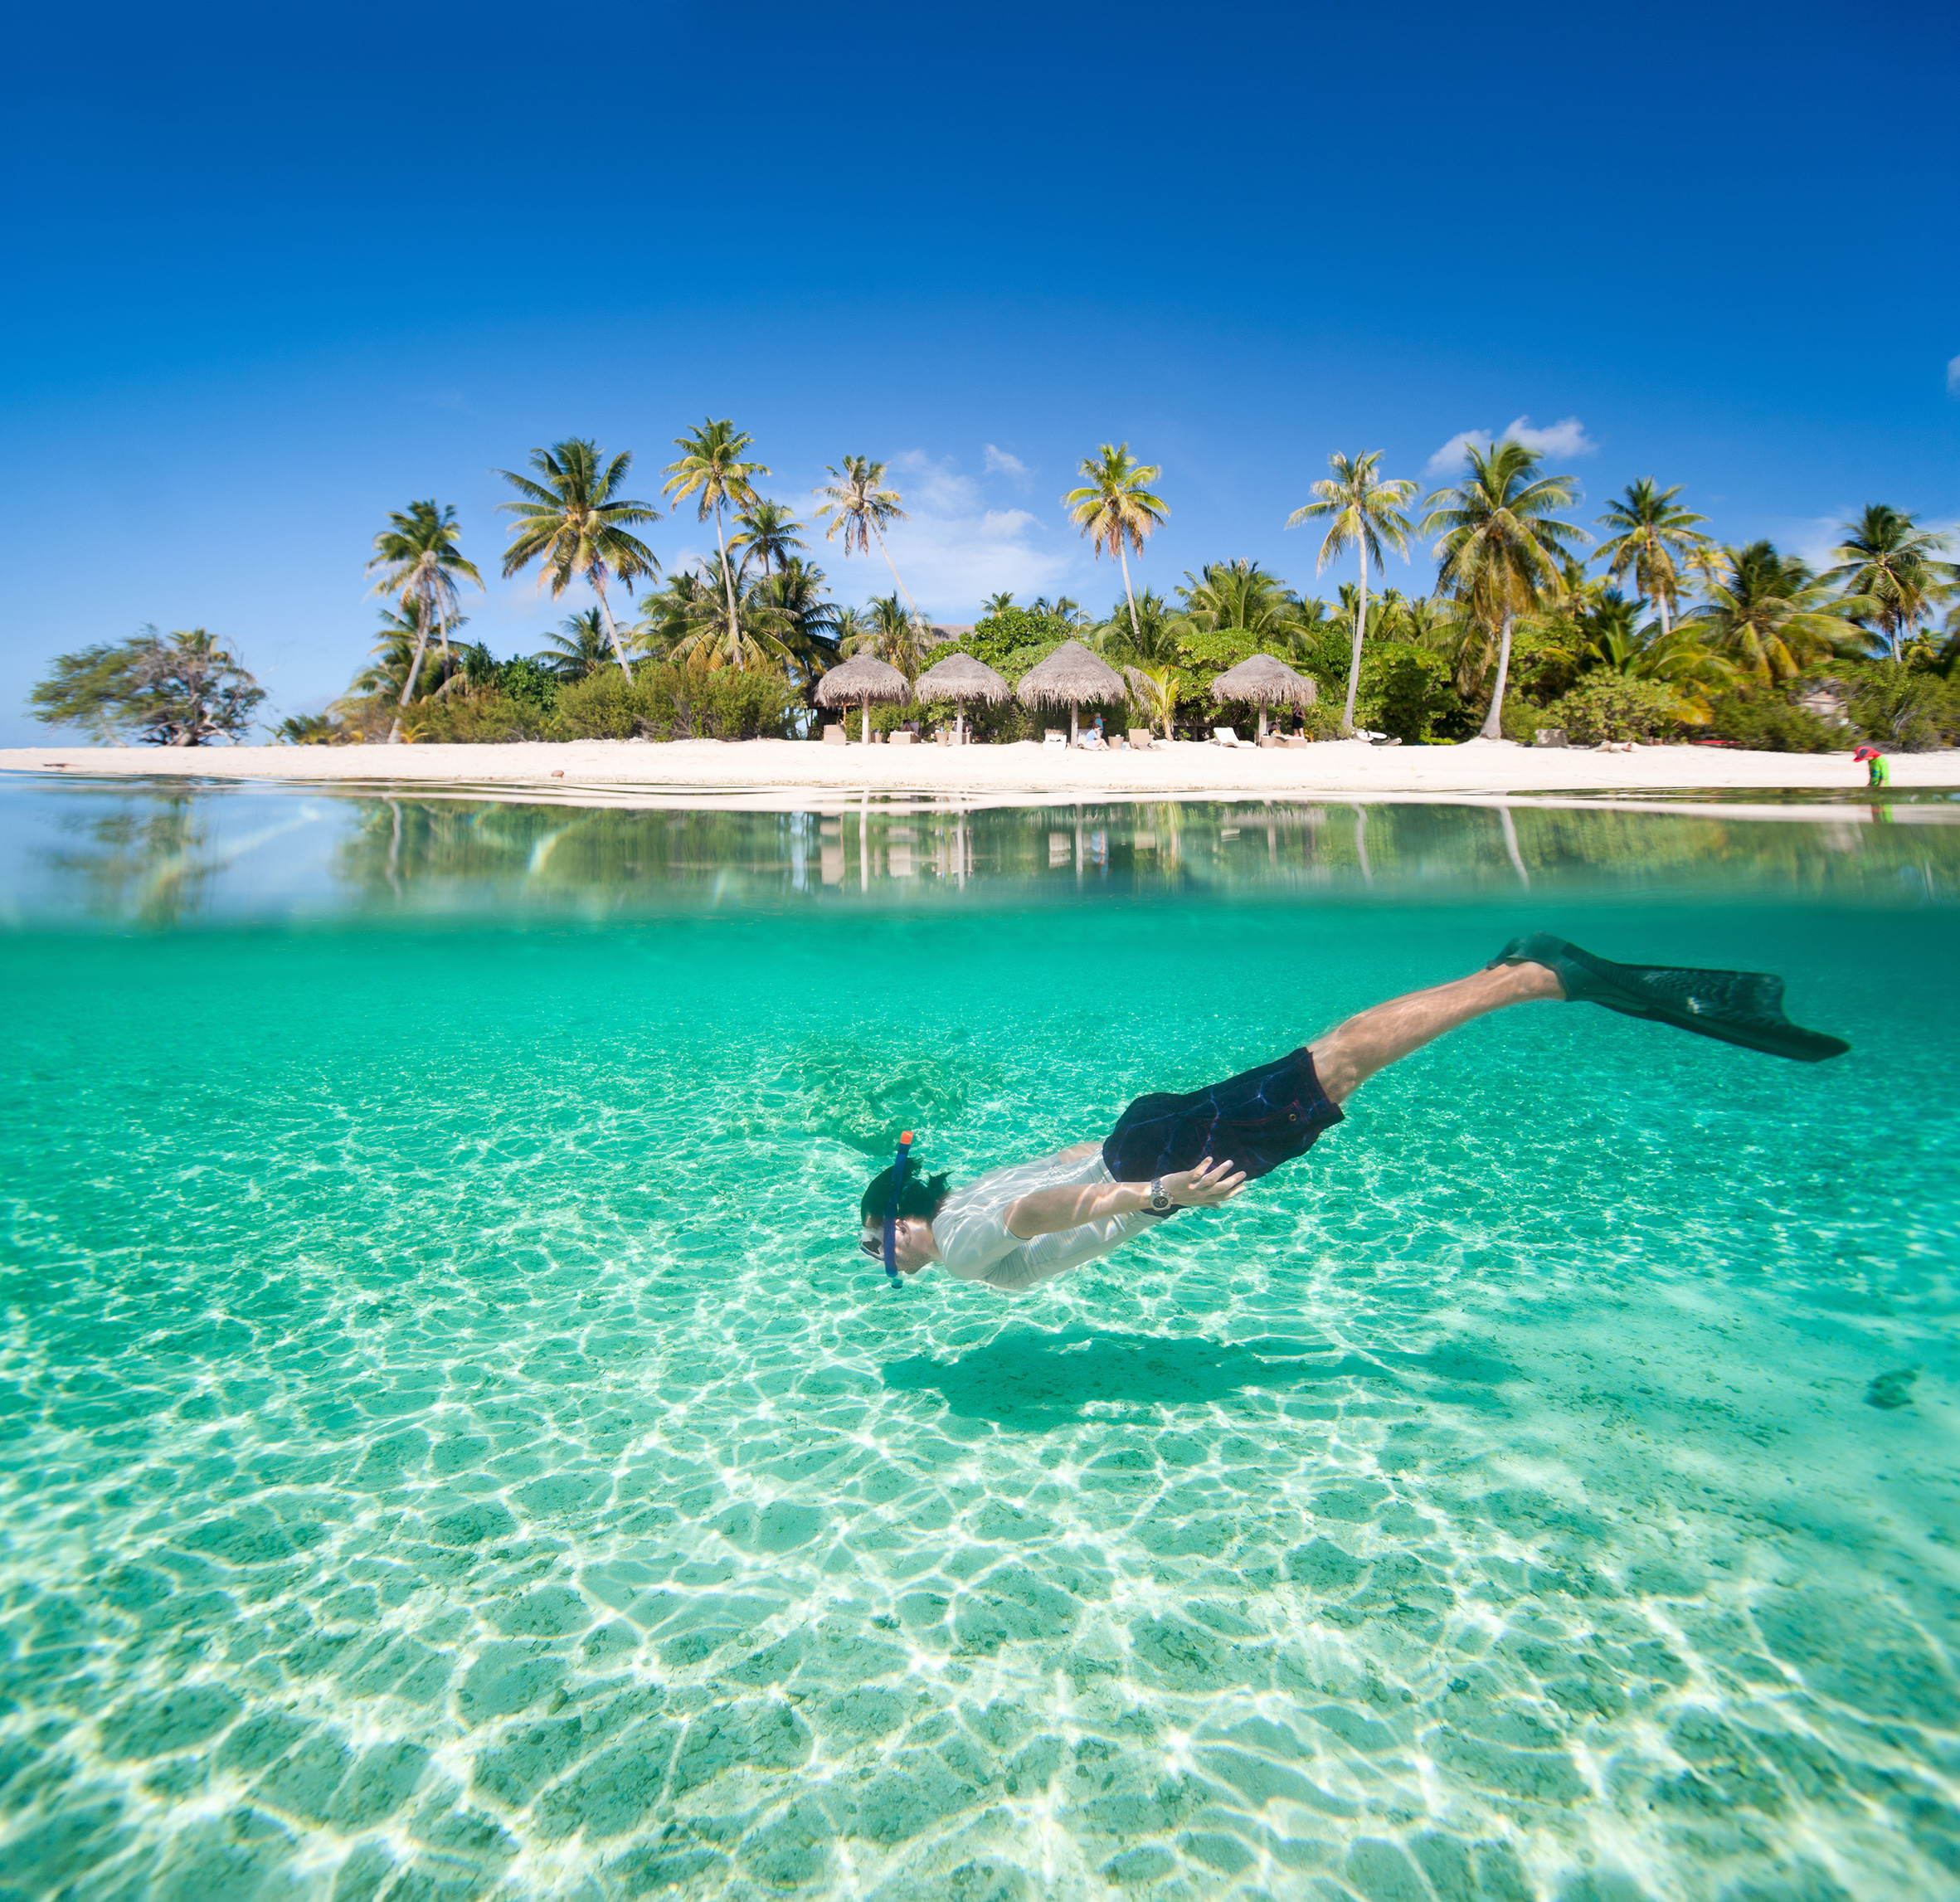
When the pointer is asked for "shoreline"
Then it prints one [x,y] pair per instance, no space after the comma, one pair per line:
[676,768]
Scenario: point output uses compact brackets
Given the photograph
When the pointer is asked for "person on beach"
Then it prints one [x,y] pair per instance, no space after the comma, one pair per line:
[1016,1227]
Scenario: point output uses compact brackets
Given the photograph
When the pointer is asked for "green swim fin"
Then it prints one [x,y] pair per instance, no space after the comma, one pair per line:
[1744,1007]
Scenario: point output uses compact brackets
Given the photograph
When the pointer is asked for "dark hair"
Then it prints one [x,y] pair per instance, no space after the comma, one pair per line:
[922,1195]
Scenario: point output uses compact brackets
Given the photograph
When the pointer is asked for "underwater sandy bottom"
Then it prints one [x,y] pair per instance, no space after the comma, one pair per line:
[451,1449]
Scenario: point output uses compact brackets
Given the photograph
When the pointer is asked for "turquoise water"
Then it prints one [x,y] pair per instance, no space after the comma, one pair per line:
[452,1448]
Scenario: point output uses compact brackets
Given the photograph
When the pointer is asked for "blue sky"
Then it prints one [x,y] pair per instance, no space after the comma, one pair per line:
[275,271]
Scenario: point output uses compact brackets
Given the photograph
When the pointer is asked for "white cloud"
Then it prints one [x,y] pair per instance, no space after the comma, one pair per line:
[953,550]
[999,462]
[1953,376]
[1566,437]
[1814,538]
[1447,460]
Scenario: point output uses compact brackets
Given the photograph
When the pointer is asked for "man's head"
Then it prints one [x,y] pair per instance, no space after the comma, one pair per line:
[918,1203]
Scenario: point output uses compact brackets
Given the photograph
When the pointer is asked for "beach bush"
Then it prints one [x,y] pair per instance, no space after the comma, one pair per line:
[479,719]
[1011,640]
[1404,691]
[1903,708]
[664,702]
[1769,721]
[1613,707]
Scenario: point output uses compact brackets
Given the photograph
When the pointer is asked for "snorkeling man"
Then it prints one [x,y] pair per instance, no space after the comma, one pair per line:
[1016,1227]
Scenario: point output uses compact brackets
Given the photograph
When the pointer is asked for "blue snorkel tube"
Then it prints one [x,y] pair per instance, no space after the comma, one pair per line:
[900,1169]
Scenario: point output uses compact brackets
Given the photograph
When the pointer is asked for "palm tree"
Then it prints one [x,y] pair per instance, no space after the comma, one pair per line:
[722,626]
[401,651]
[1653,535]
[888,633]
[1362,508]
[1240,594]
[1675,657]
[767,530]
[809,618]
[419,560]
[578,651]
[996,604]
[1770,615]
[1141,629]
[576,522]
[711,466]
[860,507]
[1115,506]
[1155,691]
[1891,563]
[1500,546]
[668,615]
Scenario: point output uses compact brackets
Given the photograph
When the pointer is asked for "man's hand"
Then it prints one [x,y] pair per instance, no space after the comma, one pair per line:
[1204,1187]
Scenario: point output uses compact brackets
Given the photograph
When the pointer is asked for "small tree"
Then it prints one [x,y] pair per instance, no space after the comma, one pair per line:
[182,689]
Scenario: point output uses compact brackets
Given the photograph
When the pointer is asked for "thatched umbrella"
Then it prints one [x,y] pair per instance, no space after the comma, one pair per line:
[1069,676]
[1264,682]
[959,678]
[862,679]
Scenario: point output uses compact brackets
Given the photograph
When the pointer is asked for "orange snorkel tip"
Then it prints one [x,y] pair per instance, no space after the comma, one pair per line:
[900,1168]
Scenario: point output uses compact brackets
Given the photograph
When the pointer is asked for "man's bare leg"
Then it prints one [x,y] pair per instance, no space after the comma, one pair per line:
[1351,1053]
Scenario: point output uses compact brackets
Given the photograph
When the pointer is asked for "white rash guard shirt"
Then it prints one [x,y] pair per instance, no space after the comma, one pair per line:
[975,1243]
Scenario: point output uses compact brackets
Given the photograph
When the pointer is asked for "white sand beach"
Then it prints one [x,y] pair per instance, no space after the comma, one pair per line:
[1347,769]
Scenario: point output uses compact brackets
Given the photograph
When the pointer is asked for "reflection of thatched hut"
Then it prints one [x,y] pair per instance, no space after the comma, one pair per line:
[1263,681]
[862,679]
[959,678]
[1069,676]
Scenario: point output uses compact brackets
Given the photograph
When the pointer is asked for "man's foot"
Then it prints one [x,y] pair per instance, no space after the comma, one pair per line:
[1744,1007]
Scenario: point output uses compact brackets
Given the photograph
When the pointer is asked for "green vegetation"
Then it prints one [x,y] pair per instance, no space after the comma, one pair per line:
[1742,645]
[179,689]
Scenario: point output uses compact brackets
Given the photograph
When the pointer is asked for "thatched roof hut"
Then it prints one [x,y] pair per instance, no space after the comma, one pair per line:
[1263,681]
[859,681]
[1070,676]
[960,677]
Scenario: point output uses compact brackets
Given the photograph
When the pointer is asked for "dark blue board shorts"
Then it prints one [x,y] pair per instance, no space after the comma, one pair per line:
[1258,1120]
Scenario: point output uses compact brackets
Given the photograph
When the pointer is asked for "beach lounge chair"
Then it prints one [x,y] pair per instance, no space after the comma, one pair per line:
[1139,737]
[835,736]
[1224,735]
[903,739]
[1054,736]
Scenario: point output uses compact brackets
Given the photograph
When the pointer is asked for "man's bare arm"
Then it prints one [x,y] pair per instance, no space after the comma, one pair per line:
[1049,1211]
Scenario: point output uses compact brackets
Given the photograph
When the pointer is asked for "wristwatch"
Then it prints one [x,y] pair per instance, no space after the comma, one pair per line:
[1160,1202]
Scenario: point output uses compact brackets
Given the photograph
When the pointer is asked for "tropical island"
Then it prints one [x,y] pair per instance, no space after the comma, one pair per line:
[1534,628]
